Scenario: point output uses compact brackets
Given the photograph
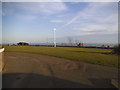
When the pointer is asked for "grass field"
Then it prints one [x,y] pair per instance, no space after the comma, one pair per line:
[89,55]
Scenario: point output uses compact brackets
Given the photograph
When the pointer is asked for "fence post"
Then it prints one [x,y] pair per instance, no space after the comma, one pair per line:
[1,58]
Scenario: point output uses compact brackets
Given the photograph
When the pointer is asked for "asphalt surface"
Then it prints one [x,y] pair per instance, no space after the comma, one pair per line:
[23,70]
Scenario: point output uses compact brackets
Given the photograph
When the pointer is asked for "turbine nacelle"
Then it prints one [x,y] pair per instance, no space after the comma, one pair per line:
[54,29]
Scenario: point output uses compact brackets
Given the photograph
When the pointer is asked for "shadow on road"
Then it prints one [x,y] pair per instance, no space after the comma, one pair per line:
[21,80]
[30,80]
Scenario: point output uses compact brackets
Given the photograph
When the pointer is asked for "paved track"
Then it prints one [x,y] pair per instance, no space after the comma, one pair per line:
[23,70]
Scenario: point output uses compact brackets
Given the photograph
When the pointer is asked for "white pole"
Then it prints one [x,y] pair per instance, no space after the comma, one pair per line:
[54,37]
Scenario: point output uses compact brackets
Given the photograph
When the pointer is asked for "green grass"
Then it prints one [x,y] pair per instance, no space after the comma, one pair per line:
[89,55]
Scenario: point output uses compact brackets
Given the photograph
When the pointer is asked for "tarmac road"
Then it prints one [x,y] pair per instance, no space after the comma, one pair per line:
[23,70]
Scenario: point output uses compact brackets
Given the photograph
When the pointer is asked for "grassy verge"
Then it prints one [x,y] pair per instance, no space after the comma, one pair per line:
[93,56]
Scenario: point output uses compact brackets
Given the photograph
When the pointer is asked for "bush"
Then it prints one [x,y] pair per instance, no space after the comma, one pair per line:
[116,49]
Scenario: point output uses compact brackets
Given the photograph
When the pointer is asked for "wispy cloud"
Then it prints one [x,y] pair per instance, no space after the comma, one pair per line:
[29,11]
[62,15]
[97,29]
[57,21]
[91,10]
[34,8]
[27,18]
[91,28]
[96,18]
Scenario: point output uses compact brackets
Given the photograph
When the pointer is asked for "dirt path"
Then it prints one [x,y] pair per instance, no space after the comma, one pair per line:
[24,70]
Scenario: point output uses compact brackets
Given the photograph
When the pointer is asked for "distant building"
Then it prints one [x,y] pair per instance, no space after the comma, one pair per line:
[23,44]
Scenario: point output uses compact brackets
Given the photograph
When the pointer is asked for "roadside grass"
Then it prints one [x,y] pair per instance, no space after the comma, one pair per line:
[89,55]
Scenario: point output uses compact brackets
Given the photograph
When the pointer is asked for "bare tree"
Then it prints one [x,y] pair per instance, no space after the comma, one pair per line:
[77,42]
[70,41]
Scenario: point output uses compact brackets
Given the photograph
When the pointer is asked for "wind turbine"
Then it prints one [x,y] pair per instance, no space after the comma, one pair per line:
[54,37]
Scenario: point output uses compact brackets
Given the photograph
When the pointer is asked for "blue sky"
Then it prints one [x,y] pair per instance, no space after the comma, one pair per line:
[89,22]
[0,24]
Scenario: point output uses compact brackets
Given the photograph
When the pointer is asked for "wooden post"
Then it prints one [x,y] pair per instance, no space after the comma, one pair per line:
[1,59]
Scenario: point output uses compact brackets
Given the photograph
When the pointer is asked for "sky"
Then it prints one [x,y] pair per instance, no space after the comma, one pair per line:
[33,22]
[0,24]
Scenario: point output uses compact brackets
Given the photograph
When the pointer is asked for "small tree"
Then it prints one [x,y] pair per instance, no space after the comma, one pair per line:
[116,49]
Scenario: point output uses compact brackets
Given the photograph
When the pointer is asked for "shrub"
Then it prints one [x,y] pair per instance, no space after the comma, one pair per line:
[116,49]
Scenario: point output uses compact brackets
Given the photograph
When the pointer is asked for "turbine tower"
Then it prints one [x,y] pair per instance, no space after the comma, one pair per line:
[54,37]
